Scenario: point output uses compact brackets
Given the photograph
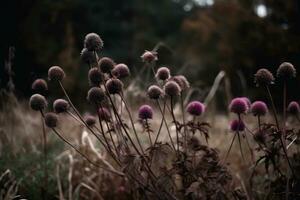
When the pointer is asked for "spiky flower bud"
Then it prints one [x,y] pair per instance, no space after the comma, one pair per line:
[37,102]
[154,92]
[95,76]
[39,85]
[286,71]
[56,73]
[88,57]
[114,86]
[293,108]
[237,125]
[96,95]
[60,106]
[145,112]
[195,108]
[263,77]
[51,119]
[93,42]
[90,120]
[149,56]
[121,71]
[238,106]
[182,82]
[171,88]
[106,64]
[163,73]
[259,108]
[104,114]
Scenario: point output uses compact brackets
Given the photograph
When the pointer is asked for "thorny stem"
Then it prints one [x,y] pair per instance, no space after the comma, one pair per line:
[44,139]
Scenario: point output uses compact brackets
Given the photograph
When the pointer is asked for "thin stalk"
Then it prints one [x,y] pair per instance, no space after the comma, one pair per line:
[44,142]
[239,138]
[273,107]
[149,135]
[174,119]
[183,120]
[229,149]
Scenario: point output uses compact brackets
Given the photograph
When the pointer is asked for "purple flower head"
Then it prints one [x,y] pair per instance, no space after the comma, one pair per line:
[60,106]
[145,112]
[95,76]
[37,102]
[106,64]
[155,92]
[181,81]
[259,108]
[39,85]
[163,73]
[90,120]
[238,106]
[286,71]
[248,102]
[93,42]
[104,114]
[121,71]
[149,56]
[263,77]
[51,119]
[195,108]
[171,88]
[96,95]
[293,108]
[56,73]
[88,57]
[114,86]
[237,125]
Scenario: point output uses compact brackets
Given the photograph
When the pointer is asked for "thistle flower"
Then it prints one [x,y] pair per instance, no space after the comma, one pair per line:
[121,71]
[247,101]
[93,42]
[286,71]
[237,125]
[37,102]
[195,108]
[96,95]
[88,57]
[263,77]
[145,112]
[106,64]
[171,88]
[51,119]
[60,106]
[293,108]
[90,120]
[149,56]
[238,106]
[182,82]
[154,92]
[259,108]
[104,114]
[39,85]
[114,86]
[56,73]
[95,76]
[163,73]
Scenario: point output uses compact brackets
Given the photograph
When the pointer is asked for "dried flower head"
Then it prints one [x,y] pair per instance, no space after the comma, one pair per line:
[259,108]
[60,106]
[56,73]
[238,106]
[37,102]
[195,108]
[155,92]
[104,114]
[93,42]
[263,77]
[149,56]
[171,88]
[121,71]
[145,112]
[293,108]
[182,82]
[96,95]
[88,57]
[114,86]
[90,120]
[286,71]
[163,73]
[237,125]
[95,76]
[51,119]
[39,85]
[106,64]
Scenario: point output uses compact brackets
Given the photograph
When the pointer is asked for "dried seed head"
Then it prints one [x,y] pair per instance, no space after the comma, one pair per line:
[90,120]
[56,73]
[121,71]
[263,77]
[114,86]
[238,106]
[104,114]
[96,95]
[60,106]
[51,120]
[195,108]
[149,56]
[171,88]
[145,112]
[259,108]
[106,64]
[93,42]
[88,57]
[286,71]
[293,108]
[237,125]
[39,85]
[181,81]
[37,102]
[163,73]
[154,92]
[95,76]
